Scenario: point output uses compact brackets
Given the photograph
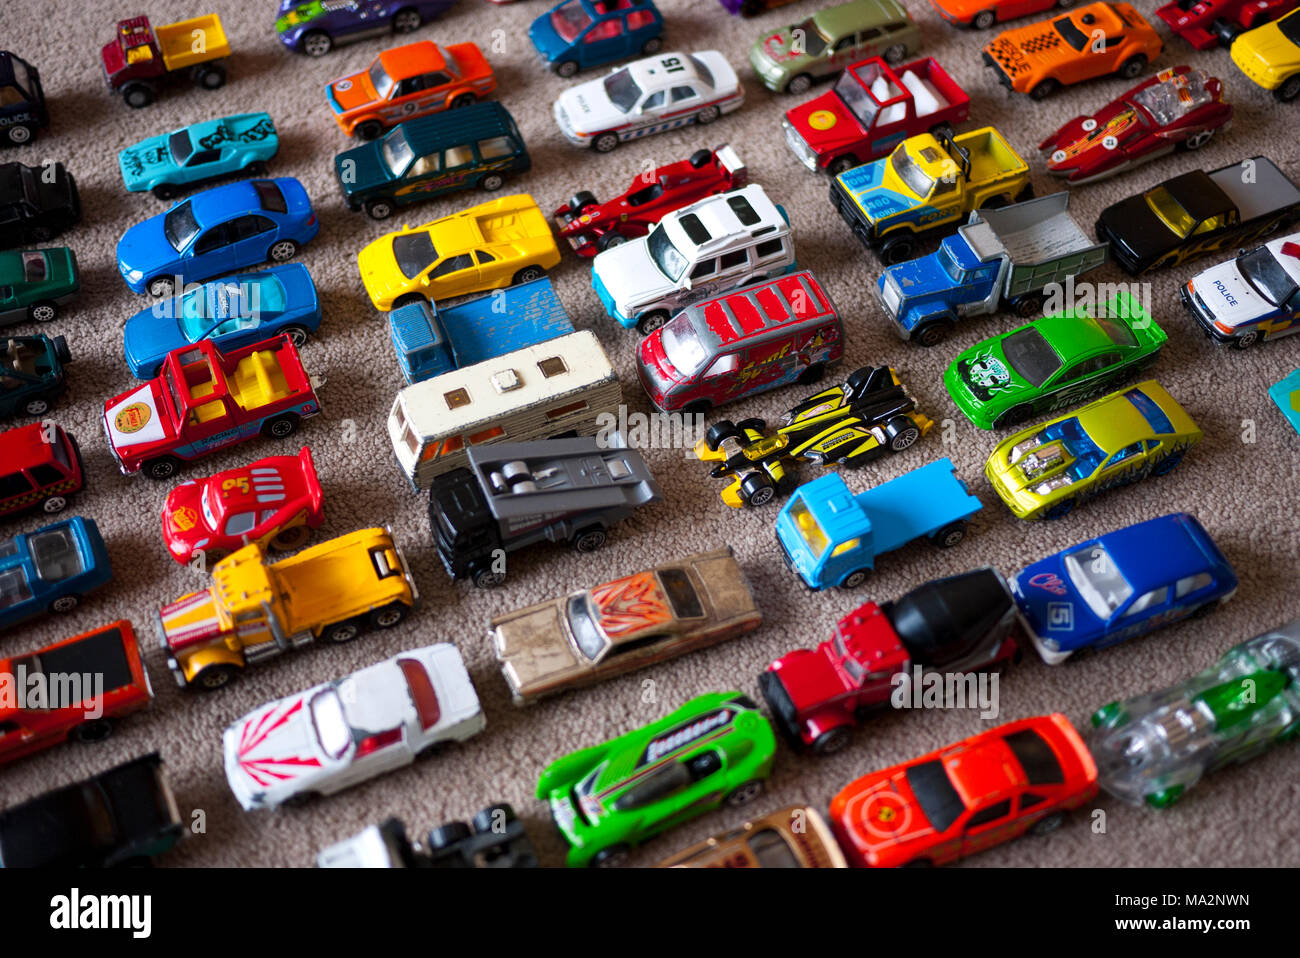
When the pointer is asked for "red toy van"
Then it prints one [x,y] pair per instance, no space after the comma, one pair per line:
[40,468]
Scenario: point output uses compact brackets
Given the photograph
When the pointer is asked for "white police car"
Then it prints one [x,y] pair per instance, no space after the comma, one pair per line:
[1251,298]
[649,96]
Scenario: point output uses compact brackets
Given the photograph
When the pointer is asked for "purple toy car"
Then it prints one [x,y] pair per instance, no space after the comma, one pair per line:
[314,27]
[751,8]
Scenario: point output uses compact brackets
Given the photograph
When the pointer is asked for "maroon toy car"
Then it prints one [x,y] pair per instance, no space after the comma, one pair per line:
[591,227]
[1177,109]
[963,623]
[1206,23]
[141,57]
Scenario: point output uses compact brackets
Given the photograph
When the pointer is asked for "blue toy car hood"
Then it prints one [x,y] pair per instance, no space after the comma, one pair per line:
[144,247]
[1044,593]
[545,39]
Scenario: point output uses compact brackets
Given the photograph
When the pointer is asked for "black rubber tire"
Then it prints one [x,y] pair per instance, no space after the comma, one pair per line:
[1045,89]
[651,321]
[700,159]
[161,287]
[984,20]
[832,740]
[855,578]
[93,730]
[369,130]
[379,208]
[316,43]
[756,490]
[407,20]
[280,427]
[387,616]
[213,677]
[1132,68]
[950,535]
[589,539]
[338,633]
[528,274]
[719,432]
[164,467]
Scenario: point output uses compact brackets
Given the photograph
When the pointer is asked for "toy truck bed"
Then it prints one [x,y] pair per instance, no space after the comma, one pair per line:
[991,157]
[1271,190]
[1042,240]
[481,329]
[916,504]
[347,559]
[187,42]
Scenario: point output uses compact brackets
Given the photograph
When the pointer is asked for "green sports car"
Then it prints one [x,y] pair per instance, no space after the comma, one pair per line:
[716,749]
[1053,362]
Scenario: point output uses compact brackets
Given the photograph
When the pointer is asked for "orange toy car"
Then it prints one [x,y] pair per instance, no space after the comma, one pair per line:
[1019,777]
[1092,41]
[410,81]
[982,14]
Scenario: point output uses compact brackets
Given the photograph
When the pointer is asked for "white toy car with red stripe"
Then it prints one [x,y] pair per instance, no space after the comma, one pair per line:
[649,96]
[350,730]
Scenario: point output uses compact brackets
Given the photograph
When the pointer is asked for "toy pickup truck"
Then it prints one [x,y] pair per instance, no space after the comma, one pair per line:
[831,537]
[140,57]
[927,187]
[255,610]
[431,340]
[870,110]
[960,624]
[1001,258]
[206,400]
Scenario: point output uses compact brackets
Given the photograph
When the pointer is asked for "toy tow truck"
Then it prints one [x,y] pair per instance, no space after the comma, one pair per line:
[831,537]
[850,424]
[22,100]
[255,610]
[927,187]
[141,57]
[1002,258]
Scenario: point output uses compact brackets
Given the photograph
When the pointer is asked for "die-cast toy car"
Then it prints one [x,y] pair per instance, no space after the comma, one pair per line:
[40,469]
[169,163]
[315,27]
[49,570]
[580,34]
[36,203]
[1251,298]
[1269,56]
[982,14]
[1206,24]
[36,283]
[31,374]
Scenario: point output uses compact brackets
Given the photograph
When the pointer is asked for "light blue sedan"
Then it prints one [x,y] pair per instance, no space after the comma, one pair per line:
[226,146]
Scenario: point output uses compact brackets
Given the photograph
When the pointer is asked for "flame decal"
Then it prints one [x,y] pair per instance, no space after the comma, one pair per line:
[630,604]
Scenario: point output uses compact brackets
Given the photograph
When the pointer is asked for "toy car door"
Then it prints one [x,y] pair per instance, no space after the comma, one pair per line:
[251,238]
[605,40]
[989,825]
[733,267]
[721,381]
[212,253]
[452,275]
[15,492]
[1144,612]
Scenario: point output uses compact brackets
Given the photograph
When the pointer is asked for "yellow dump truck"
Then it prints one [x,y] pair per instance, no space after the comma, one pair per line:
[140,57]
[255,610]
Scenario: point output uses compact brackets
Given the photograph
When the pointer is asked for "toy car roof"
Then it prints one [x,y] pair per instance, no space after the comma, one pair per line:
[456,127]
[658,71]
[1268,190]
[1159,551]
[761,308]
[423,56]
[715,221]
[850,17]
[27,446]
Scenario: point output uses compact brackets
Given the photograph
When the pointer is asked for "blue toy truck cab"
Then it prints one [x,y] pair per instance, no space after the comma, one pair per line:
[22,101]
[831,537]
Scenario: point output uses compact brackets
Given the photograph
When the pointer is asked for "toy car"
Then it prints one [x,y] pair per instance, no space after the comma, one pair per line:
[206,400]
[217,231]
[870,110]
[713,245]
[40,469]
[503,242]
[794,837]
[580,34]
[1044,471]
[69,704]
[1023,776]
[36,283]
[49,570]
[475,147]
[716,749]
[340,733]
[275,502]
[125,816]
[790,59]
[1196,213]
[315,27]
[408,82]
[881,654]
[635,621]
[649,96]
[1122,585]
[169,163]
[1285,394]
[36,203]
[139,59]
[31,374]
[746,8]
[1177,109]
[1054,362]
[592,227]
[1090,42]
[495,839]
[1209,23]
[229,313]
[1153,747]
[982,14]
[1269,56]
[22,100]
[849,424]
[1251,298]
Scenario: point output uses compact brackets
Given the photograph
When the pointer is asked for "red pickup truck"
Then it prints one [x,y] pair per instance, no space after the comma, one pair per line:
[871,109]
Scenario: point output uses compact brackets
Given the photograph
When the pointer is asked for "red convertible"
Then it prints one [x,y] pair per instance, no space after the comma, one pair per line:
[591,227]
[1177,109]
[1206,23]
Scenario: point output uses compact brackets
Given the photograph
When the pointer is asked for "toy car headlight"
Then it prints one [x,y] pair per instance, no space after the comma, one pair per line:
[1051,645]
[133,275]
[1051,485]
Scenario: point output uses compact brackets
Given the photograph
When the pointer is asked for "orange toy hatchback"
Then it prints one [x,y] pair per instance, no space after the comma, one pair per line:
[410,81]
[1093,41]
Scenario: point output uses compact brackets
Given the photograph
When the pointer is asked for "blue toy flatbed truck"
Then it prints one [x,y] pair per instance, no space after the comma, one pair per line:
[431,340]
[831,537]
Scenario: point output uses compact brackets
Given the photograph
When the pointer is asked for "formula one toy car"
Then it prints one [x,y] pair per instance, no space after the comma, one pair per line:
[849,424]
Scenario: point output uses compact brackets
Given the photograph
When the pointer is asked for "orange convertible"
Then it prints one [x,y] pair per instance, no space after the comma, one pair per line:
[1099,39]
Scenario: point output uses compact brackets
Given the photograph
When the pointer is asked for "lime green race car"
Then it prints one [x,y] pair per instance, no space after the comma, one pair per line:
[1053,363]
[1042,472]
[716,749]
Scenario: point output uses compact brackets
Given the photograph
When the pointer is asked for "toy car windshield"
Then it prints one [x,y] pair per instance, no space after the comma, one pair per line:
[1174,98]
[1031,355]
[622,90]
[682,346]
[34,270]
[1097,579]
[1262,270]
[14,588]
[55,555]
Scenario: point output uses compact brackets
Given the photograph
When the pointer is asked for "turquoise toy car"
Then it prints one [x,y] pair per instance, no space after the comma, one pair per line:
[170,163]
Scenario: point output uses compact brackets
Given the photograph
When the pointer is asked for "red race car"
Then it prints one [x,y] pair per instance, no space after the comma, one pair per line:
[1177,109]
[591,227]
[992,787]
[1206,23]
[274,502]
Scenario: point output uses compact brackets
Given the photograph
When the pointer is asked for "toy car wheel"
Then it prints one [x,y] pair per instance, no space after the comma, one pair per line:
[855,578]
[388,616]
[406,20]
[753,423]
[316,43]
[161,287]
[445,836]
[297,334]
[487,821]
[165,191]
[1197,140]
[581,200]
[1049,823]
[65,603]
[211,77]
[902,433]
[984,19]
[651,321]
[1044,89]
[589,540]
[1132,67]
[832,740]
[341,632]
[652,46]
[611,857]
[283,251]
[897,250]
[407,299]
[610,240]
[842,164]
[280,427]
[894,55]
[1029,306]
[565,68]
[42,312]
[1226,32]
[605,143]
[700,159]
[213,677]
[931,333]
[37,407]
[1246,339]
[1289,90]
[491,182]
[164,467]
[289,539]
[812,374]
[1167,465]
[707,115]
[488,578]
[137,95]
[951,534]
[370,130]
[18,134]
[756,490]
[799,85]
[529,274]
[464,100]
[720,432]
[53,504]
[1060,510]
[95,730]
[744,793]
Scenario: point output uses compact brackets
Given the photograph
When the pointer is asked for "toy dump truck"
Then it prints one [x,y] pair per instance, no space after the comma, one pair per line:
[1002,258]
[140,57]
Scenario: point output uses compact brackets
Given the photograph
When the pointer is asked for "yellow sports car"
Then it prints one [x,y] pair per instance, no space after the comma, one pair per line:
[498,243]
[1043,471]
[1270,56]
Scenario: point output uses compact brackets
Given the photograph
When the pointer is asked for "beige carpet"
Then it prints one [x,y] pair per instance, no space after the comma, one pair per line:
[1245,493]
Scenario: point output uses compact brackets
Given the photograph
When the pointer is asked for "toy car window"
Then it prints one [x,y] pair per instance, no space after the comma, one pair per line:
[1212,223]
[331,723]
[204,156]
[1097,579]
[180,227]
[434,80]
[1262,270]
[1192,583]
[180,147]
[496,147]
[640,19]
[771,849]
[706,268]
[34,270]
[651,192]
[8,547]
[459,156]
[1290,28]
[240,522]
[423,695]
[1150,600]
[484,256]
[991,814]
[414,252]
[1031,355]
[252,225]
[935,793]
[1036,758]
[1118,333]
[724,365]
[46,474]
[1029,800]
[452,264]
[682,346]
[380,80]
[604,31]
[814,41]
[425,165]
[666,256]
[1152,413]
[214,238]
[14,588]
[396,151]
[568,20]
[1174,98]
[55,555]
[622,90]
[771,248]
[270,197]
[849,42]
[737,258]
[1176,219]
[681,594]
[810,530]
[14,484]
[1071,34]
[654,101]
[702,71]
[856,98]
[915,178]
[681,93]
[587,635]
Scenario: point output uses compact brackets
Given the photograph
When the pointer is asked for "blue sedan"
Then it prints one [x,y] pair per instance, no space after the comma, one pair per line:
[579,34]
[49,570]
[168,163]
[231,312]
[217,231]
[1122,585]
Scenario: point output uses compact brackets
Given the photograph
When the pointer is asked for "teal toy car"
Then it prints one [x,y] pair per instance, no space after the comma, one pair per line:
[228,146]
[716,749]
[36,283]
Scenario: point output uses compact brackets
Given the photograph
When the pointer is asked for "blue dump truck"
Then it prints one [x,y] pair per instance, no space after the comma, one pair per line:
[829,536]
[431,340]
[1002,259]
